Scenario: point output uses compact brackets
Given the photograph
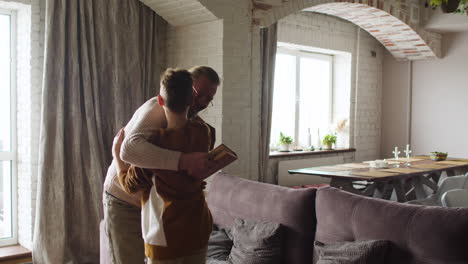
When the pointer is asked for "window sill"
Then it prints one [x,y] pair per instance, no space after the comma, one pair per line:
[277,154]
[15,254]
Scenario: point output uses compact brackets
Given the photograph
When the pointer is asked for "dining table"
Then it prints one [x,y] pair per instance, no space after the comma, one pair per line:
[408,178]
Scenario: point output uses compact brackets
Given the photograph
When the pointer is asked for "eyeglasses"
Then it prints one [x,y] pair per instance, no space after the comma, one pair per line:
[197,94]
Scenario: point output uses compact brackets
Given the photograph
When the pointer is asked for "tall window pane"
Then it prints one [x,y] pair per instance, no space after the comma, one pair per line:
[302,99]
[5,75]
[315,97]
[6,154]
[284,97]
[5,200]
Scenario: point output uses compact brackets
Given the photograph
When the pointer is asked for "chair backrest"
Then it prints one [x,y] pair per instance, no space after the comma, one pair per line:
[465,186]
[452,183]
[455,198]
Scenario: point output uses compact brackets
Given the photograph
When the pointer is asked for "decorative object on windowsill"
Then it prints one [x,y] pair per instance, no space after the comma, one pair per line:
[297,148]
[309,139]
[285,142]
[340,130]
[438,156]
[328,141]
[319,141]
[450,6]
[312,148]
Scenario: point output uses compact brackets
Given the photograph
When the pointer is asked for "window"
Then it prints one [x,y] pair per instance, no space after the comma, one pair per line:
[302,96]
[7,128]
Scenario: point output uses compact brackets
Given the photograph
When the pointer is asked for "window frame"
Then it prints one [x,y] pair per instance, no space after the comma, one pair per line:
[308,54]
[12,154]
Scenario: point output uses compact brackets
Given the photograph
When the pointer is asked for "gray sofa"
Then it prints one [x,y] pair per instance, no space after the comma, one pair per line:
[419,234]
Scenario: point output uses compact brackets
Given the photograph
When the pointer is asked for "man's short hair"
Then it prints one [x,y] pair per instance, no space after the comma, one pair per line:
[208,72]
[177,84]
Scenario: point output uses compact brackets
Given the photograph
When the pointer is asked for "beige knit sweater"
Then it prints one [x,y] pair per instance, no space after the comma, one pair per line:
[138,151]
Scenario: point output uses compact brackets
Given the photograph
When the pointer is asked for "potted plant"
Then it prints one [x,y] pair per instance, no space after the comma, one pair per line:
[462,7]
[328,141]
[438,156]
[447,6]
[285,142]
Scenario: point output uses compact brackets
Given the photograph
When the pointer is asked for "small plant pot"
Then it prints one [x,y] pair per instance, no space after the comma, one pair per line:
[284,147]
[438,157]
[450,7]
[329,146]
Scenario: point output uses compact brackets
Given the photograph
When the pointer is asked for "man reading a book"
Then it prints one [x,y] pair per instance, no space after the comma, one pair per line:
[176,221]
[122,210]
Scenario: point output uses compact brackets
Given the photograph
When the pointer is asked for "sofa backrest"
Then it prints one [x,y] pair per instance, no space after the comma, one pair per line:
[419,234]
[231,197]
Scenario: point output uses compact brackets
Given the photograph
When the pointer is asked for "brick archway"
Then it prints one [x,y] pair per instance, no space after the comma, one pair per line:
[181,12]
[390,24]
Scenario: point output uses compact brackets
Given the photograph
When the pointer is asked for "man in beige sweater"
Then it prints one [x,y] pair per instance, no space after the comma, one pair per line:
[122,210]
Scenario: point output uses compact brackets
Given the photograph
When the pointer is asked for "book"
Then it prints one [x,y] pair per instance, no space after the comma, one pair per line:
[219,158]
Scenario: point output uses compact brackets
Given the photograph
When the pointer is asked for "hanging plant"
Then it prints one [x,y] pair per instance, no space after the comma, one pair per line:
[462,7]
[447,6]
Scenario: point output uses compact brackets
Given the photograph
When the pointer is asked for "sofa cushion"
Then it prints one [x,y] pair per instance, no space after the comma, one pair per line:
[231,197]
[255,242]
[219,244]
[419,234]
[359,252]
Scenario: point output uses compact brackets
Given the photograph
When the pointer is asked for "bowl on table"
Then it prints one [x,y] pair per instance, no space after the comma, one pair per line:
[438,156]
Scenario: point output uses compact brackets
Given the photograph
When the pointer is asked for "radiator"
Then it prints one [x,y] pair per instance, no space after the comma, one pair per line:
[289,180]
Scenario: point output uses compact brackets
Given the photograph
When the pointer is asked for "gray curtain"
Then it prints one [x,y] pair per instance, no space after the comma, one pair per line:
[268,43]
[102,60]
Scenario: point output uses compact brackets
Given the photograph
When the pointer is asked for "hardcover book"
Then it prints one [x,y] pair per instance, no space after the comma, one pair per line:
[219,157]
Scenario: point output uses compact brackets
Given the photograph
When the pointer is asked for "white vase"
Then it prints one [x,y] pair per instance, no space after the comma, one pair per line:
[319,140]
[284,147]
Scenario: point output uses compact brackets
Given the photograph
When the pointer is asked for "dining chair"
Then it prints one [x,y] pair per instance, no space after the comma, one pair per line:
[455,198]
[449,183]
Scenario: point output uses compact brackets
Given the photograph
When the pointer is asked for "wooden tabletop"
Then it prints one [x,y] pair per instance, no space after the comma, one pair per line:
[405,168]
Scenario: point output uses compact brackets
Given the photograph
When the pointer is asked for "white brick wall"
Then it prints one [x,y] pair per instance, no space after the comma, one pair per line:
[241,95]
[200,44]
[322,31]
[228,48]
[30,28]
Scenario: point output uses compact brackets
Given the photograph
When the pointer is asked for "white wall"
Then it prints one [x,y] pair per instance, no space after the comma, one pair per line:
[439,101]
[199,44]
[236,112]
[395,105]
